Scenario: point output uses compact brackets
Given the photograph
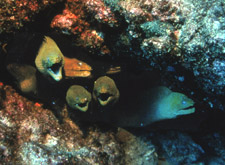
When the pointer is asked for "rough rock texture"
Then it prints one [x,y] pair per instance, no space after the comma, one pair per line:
[30,134]
[215,143]
[202,40]
[177,147]
[185,32]
[75,20]
[135,148]
[14,14]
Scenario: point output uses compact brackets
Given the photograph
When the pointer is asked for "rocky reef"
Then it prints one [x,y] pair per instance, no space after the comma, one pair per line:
[31,134]
[182,41]
[15,14]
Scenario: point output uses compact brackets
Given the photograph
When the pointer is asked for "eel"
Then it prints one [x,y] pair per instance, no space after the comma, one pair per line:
[83,107]
[50,60]
[105,91]
[25,77]
[32,58]
[153,105]
[74,68]
[133,103]
[78,98]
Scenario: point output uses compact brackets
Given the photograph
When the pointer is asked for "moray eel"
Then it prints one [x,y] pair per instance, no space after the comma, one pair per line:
[76,68]
[50,60]
[155,104]
[25,76]
[33,60]
[77,97]
[172,105]
[105,91]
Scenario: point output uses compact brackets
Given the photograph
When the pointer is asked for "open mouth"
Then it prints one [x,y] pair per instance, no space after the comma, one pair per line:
[55,67]
[104,98]
[55,74]
[114,70]
[78,73]
[82,106]
[188,108]
[76,68]
[185,111]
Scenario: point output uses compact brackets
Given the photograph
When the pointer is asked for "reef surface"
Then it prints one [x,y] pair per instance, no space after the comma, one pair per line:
[182,40]
[31,134]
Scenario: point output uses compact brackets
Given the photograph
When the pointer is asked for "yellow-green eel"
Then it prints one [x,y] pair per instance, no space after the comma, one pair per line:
[78,98]
[155,104]
[136,110]
[49,61]
[105,91]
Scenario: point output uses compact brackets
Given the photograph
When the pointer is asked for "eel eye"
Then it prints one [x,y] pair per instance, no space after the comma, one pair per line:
[184,102]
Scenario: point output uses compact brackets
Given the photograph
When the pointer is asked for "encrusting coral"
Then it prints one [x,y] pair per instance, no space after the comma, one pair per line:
[31,134]
[14,14]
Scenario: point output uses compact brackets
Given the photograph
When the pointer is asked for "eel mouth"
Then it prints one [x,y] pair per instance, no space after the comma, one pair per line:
[82,106]
[75,68]
[77,73]
[55,73]
[188,108]
[104,98]
[186,111]
[114,70]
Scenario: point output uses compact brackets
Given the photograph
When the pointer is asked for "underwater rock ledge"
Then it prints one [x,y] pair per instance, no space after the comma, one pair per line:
[30,134]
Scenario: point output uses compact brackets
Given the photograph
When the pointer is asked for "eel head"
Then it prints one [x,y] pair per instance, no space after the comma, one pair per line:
[174,105]
[77,97]
[50,60]
[105,91]
[181,104]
